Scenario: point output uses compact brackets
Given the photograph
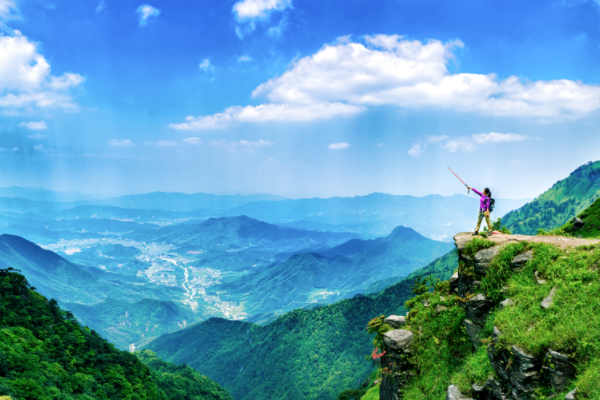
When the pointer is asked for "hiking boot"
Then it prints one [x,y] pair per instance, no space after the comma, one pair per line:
[475,233]
[489,234]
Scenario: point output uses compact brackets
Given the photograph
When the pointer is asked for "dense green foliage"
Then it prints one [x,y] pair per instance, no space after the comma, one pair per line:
[304,354]
[559,204]
[591,219]
[125,323]
[180,382]
[46,354]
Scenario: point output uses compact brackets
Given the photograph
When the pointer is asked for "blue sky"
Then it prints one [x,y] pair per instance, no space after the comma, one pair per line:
[299,98]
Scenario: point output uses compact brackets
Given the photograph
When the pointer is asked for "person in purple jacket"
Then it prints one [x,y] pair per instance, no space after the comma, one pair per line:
[484,209]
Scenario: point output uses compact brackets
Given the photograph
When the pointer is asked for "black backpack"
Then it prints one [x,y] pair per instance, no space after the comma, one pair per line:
[492,204]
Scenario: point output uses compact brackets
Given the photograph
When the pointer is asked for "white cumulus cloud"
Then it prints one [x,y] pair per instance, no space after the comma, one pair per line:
[339,146]
[265,113]
[347,77]
[391,70]
[250,9]
[244,58]
[145,12]
[34,126]
[120,142]
[25,78]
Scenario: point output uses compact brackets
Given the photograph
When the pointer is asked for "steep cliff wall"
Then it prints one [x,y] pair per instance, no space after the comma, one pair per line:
[519,320]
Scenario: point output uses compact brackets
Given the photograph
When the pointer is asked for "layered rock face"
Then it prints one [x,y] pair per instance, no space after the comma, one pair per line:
[519,374]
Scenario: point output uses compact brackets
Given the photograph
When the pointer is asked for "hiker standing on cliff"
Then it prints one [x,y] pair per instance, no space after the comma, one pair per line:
[484,209]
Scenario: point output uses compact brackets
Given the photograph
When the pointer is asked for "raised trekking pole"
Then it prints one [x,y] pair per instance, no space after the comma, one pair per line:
[468,190]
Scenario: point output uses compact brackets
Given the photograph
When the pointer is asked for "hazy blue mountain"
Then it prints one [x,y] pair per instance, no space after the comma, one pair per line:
[309,278]
[239,242]
[67,282]
[183,202]
[40,194]
[377,214]
[124,323]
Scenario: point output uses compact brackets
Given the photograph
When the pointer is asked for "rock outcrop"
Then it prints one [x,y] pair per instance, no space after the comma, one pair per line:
[396,369]
[518,373]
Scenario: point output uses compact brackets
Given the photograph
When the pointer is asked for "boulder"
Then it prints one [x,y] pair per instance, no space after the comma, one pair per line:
[496,335]
[571,395]
[520,260]
[395,321]
[439,308]
[483,259]
[453,280]
[525,371]
[425,303]
[539,280]
[495,390]
[506,303]
[578,223]
[478,308]
[453,393]
[549,300]
[398,339]
[473,332]
[560,368]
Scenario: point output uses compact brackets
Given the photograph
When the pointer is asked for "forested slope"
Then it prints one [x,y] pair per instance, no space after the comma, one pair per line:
[556,206]
[45,354]
[304,354]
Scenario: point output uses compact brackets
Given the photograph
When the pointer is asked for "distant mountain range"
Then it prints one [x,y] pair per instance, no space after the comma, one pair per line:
[336,273]
[436,217]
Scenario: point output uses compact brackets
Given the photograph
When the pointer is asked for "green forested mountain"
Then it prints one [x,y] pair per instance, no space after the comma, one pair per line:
[304,354]
[124,323]
[45,354]
[556,206]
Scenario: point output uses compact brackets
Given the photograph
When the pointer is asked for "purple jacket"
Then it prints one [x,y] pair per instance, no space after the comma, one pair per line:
[484,201]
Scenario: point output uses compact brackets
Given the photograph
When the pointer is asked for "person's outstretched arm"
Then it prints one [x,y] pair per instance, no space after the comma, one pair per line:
[475,190]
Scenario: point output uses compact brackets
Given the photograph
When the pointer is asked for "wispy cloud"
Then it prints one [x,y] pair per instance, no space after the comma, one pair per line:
[247,12]
[242,146]
[416,150]
[251,9]
[101,6]
[244,58]
[206,65]
[339,146]
[192,140]
[166,143]
[120,142]
[146,12]
[37,136]
[266,113]
[8,9]
[34,126]
[469,143]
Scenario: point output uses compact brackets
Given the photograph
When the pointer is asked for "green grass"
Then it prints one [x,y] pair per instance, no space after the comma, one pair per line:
[476,244]
[591,218]
[372,394]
